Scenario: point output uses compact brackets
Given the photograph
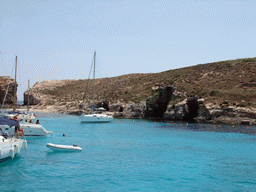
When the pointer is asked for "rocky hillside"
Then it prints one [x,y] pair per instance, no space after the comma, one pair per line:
[12,91]
[232,81]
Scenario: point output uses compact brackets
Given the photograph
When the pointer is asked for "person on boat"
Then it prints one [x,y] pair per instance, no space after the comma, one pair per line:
[30,121]
[15,118]
[37,121]
[16,131]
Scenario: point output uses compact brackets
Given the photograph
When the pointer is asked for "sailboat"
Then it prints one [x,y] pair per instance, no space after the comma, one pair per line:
[94,117]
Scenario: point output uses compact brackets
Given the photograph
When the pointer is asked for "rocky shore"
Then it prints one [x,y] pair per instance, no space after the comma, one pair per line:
[221,92]
[190,109]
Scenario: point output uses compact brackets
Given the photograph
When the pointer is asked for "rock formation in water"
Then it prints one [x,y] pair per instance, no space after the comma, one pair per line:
[11,95]
[157,105]
[194,109]
[130,110]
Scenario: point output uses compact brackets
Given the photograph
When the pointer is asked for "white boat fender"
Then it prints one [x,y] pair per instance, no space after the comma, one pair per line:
[25,144]
[17,148]
[1,152]
[12,152]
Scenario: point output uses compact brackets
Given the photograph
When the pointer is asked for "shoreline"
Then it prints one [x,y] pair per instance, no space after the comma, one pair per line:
[222,119]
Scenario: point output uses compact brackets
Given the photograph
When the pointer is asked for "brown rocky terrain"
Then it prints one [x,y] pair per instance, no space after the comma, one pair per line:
[224,86]
[233,80]
[11,95]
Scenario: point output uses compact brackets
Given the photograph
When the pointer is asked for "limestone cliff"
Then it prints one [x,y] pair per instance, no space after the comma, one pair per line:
[12,91]
[43,92]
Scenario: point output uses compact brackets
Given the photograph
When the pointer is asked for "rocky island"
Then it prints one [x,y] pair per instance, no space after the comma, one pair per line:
[221,92]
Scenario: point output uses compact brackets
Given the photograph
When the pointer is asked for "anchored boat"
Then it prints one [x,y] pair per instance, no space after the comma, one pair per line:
[10,146]
[94,117]
[55,147]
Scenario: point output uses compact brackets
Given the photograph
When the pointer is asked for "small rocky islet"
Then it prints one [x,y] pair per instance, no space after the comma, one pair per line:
[221,92]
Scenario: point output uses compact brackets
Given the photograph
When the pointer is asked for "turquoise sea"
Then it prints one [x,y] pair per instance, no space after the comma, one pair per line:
[133,155]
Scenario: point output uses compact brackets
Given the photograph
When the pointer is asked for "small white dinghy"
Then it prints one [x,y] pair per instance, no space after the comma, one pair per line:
[55,147]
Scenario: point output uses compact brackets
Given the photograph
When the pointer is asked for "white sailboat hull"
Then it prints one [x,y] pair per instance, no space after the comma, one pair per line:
[96,118]
[9,148]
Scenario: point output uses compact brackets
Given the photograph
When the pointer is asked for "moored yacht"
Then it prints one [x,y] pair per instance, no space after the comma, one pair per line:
[32,129]
[10,145]
[29,128]
[94,117]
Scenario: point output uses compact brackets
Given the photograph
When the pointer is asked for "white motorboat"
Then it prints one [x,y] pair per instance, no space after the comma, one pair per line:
[30,129]
[10,147]
[20,114]
[29,117]
[94,117]
[55,147]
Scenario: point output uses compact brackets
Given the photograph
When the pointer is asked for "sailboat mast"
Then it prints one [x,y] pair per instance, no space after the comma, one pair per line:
[15,86]
[94,60]
[28,94]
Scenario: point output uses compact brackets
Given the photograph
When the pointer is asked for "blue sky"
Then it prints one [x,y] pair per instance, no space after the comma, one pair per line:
[55,39]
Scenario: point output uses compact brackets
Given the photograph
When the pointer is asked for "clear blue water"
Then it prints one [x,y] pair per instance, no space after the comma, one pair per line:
[133,155]
[20,102]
